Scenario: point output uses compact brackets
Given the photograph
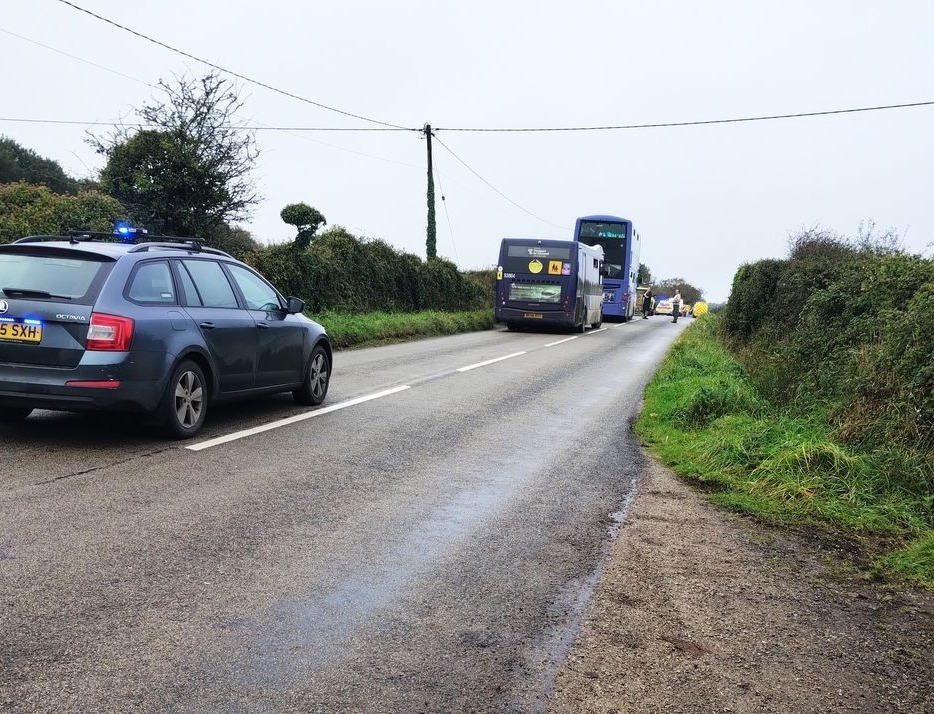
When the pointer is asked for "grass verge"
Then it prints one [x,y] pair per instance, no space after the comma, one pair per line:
[348,330]
[705,420]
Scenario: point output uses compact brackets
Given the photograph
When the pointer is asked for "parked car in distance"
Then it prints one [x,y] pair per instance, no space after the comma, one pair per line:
[157,326]
[700,309]
[663,307]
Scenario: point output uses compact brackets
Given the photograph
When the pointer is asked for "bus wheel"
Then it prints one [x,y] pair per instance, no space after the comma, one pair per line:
[512,327]
[599,323]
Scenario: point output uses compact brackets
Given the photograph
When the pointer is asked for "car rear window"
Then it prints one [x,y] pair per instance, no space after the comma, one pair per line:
[64,276]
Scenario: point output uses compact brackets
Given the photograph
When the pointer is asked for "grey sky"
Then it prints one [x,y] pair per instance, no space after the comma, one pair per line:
[705,199]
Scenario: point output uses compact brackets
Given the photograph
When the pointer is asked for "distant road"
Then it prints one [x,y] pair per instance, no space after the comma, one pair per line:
[425,543]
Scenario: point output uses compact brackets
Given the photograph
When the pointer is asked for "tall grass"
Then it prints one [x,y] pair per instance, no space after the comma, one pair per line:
[705,418]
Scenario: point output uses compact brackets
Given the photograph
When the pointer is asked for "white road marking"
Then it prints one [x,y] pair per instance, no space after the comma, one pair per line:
[293,419]
[566,339]
[490,361]
[593,331]
[350,402]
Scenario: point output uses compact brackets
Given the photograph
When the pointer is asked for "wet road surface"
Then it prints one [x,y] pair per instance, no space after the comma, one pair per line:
[426,550]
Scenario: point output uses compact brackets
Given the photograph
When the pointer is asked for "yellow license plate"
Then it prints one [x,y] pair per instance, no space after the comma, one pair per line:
[20,332]
[533,315]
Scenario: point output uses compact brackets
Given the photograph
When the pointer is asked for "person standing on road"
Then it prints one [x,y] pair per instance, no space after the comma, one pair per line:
[647,303]
[675,306]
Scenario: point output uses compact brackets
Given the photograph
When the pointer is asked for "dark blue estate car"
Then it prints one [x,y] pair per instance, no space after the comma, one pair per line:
[163,328]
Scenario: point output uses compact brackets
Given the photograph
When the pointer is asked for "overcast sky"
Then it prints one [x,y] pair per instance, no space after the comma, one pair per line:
[705,199]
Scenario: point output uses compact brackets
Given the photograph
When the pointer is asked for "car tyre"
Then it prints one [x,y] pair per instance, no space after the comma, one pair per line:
[185,404]
[14,414]
[317,378]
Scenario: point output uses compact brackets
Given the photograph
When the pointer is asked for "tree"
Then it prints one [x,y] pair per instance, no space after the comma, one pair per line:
[17,163]
[689,293]
[645,275]
[306,219]
[235,240]
[190,175]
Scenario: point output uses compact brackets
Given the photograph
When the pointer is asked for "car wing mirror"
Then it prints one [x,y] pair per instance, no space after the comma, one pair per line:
[295,305]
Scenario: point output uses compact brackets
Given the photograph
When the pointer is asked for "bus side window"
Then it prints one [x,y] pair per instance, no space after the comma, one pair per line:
[596,264]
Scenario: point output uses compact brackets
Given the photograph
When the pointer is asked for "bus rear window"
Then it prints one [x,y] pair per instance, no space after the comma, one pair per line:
[58,275]
[535,292]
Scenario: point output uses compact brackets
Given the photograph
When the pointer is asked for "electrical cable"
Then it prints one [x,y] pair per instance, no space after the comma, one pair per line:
[539,218]
[448,215]
[257,127]
[695,123]
[245,78]
[80,59]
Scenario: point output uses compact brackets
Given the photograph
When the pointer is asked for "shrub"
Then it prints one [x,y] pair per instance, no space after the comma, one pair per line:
[340,272]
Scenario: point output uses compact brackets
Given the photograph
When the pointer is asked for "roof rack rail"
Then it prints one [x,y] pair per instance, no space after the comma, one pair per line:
[73,237]
[141,242]
[190,244]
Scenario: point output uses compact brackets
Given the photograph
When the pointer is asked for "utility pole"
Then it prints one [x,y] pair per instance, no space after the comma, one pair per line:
[431,242]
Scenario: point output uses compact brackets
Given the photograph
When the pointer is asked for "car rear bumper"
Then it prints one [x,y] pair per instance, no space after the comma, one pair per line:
[113,387]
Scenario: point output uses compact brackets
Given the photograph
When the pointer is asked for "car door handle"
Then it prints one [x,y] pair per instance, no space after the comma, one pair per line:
[207,325]
[262,325]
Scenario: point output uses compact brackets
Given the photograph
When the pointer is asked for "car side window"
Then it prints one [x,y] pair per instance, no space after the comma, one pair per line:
[151,282]
[190,294]
[211,284]
[259,294]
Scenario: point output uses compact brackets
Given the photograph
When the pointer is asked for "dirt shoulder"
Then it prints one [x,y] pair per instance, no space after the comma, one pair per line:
[701,610]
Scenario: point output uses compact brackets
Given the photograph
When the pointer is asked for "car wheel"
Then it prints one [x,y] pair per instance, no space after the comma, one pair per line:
[185,404]
[13,414]
[317,378]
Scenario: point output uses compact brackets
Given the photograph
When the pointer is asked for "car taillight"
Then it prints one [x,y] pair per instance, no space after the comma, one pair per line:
[109,333]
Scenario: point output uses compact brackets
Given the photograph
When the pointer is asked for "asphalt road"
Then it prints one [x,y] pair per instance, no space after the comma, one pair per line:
[429,548]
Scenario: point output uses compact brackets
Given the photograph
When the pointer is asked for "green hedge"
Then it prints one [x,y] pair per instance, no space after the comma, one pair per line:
[27,210]
[848,328]
[340,272]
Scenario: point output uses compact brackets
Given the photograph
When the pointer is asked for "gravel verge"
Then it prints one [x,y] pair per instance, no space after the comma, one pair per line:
[703,610]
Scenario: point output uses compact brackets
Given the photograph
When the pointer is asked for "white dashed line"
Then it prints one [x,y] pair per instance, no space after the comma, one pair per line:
[293,419]
[490,361]
[559,342]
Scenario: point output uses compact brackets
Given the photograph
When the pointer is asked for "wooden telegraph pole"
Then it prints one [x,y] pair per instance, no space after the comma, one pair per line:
[431,242]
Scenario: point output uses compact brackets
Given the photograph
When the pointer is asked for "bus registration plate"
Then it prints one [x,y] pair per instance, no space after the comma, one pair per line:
[533,315]
[19,332]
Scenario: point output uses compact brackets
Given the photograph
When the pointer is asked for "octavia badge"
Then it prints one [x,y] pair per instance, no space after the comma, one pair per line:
[4,306]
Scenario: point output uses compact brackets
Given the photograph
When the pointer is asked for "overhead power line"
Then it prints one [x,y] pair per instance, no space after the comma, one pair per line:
[446,148]
[75,57]
[244,77]
[135,125]
[659,125]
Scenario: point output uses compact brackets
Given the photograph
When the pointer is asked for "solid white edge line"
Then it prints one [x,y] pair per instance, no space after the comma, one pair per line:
[490,361]
[293,419]
[595,331]
[566,339]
